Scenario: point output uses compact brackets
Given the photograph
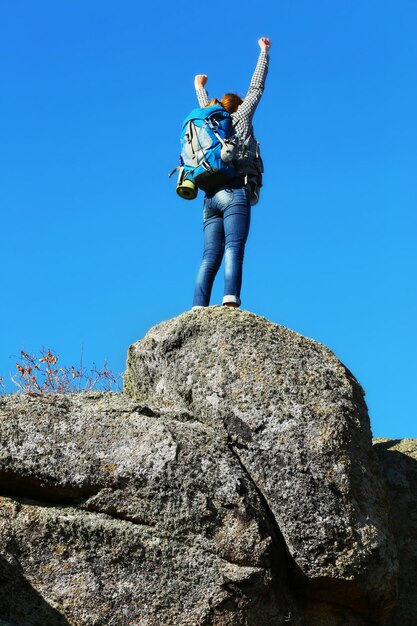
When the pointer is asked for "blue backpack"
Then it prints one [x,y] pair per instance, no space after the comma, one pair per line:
[207,151]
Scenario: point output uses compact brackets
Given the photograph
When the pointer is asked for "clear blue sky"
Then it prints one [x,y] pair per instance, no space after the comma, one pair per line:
[97,248]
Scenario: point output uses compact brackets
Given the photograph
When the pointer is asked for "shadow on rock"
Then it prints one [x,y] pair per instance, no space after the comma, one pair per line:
[398,461]
[21,604]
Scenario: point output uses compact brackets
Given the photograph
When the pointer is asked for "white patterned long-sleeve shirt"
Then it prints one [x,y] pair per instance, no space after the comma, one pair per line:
[242,118]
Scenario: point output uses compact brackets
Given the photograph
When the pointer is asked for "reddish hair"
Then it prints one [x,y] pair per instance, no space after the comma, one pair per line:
[230,101]
[213,102]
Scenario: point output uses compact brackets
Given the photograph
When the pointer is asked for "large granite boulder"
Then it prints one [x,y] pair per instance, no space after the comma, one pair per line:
[296,419]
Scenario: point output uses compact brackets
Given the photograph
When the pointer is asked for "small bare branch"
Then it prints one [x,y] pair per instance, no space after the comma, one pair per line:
[43,375]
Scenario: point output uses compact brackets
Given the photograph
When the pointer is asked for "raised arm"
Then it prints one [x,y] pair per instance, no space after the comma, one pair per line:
[202,96]
[257,84]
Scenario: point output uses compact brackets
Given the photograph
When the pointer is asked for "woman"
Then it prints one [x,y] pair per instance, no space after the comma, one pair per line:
[227,211]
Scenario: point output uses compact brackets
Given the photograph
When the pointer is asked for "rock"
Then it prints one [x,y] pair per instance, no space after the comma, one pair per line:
[398,460]
[297,420]
[116,515]
[236,486]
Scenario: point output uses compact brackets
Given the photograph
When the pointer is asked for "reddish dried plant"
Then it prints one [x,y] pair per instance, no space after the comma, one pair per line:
[43,375]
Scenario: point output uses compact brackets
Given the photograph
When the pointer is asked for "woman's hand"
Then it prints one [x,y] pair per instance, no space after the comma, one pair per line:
[264,43]
[200,80]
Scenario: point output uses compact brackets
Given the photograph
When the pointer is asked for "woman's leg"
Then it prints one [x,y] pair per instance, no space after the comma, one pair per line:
[212,255]
[236,228]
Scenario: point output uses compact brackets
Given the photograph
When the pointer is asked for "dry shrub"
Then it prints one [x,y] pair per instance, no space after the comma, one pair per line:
[43,375]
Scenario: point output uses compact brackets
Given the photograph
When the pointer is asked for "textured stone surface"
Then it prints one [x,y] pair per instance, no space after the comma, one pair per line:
[115,515]
[398,460]
[297,419]
[237,486]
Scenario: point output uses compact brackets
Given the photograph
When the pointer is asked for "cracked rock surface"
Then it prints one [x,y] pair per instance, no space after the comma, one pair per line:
[233,485]
[114,514]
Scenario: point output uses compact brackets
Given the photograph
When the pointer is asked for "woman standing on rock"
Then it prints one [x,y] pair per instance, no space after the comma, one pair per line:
[227,211]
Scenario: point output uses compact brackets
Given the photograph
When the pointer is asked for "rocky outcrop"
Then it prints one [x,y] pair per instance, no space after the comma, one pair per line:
[236,485]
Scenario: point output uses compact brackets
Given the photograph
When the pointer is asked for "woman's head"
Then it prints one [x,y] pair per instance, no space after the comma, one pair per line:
[230,101]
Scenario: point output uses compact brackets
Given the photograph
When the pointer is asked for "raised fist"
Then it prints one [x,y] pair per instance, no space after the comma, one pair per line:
[200,80]
[264,43]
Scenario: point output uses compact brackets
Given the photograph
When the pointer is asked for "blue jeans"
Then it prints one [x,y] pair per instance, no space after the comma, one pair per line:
[226,228]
